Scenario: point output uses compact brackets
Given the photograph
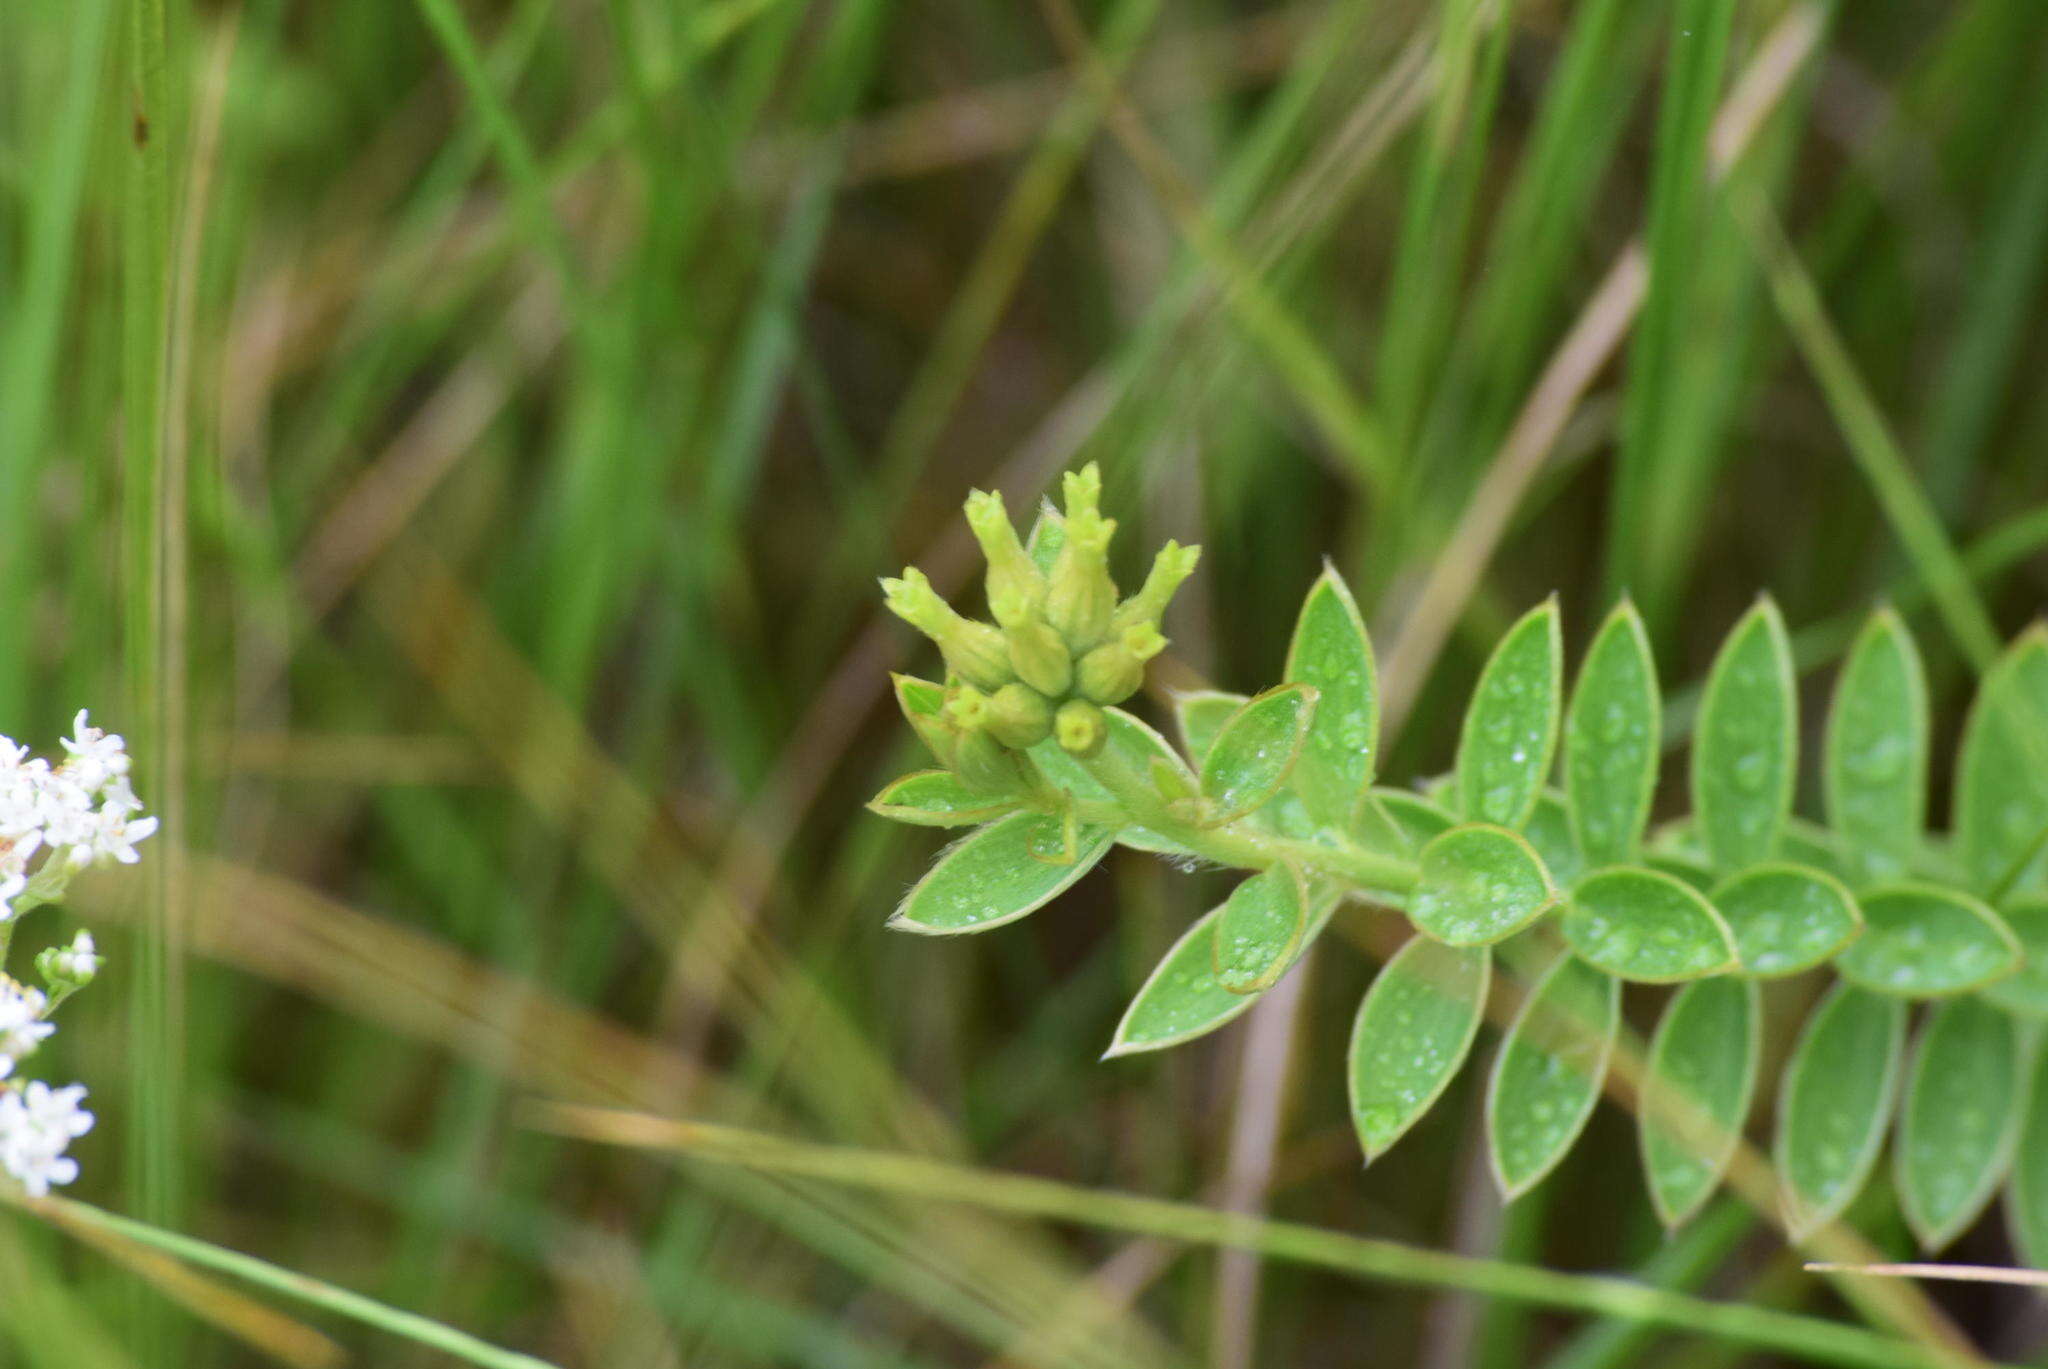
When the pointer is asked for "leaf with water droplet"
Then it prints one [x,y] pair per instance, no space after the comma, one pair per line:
[1547,1076]
[1182,999]
[1412,1034]
[1611,739]
[936,798]
[1696,1093]
[1924,941]
[1478,884]
[1510,733]
[1549,830]
[1643,925]
[1260,930]
[1200,715]
[2025,991]
[1745,743]
[1960,1119]
[1834,1101]
[1255,751]
[996,875]
[1874,757]
[2026,1193]
[2001,802]
[1330,651]
[1786,918]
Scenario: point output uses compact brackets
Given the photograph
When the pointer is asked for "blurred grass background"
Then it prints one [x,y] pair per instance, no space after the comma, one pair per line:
[457,441]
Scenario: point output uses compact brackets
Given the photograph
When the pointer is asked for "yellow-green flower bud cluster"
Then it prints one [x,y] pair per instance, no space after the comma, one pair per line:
[1062,647]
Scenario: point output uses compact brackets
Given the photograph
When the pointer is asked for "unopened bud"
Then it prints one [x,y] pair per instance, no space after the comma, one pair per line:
[1039,654]
[69,968]
[1113,671]
[1173,565]
[974,651]
[1018,716]
[1080,727]
[1015,586]
[1081,597]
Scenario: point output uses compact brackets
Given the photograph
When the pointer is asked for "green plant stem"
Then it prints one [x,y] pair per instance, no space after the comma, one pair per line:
[313,1292]
[1240,844]
[927,1180]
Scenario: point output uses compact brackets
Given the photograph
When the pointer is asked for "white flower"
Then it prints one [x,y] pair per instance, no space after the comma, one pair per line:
[22,1028]
[37,1124]
[79,961]
[114,834]
[96,756]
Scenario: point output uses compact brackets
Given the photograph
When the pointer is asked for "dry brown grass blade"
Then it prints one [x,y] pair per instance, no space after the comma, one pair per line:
[1956,1273]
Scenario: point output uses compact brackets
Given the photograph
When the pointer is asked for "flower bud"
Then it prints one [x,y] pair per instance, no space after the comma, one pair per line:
[69,968]
[974,651]
[1113,671]
[1018,716]
[1080,727]
[1081,597]
[1015,586]
[1173,565]
[1039,654]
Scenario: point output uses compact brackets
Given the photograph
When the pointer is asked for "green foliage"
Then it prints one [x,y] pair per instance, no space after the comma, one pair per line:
[1644,925]
[1254,752]
[1697,1091]
[1611,737]
[1510,734]
[1548,1074]
[1965,1097]
[1414,1028]
[1835,1102]
[1281,784]
[1478,884]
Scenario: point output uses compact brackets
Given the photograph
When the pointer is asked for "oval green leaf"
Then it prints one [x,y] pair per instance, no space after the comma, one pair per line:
[1547,1076]
[936,798]
[1746,741]
[1181,999]
[2001,803]
[1644,925]
[1697,1091]
[1478,884]
[2026,1195]
[1255,751]
[1681,867]
[1259,930]
[1611,740]
[997,875]
[1331,653]
[2025,991]
[1200,715]
[1412,1033]
[1874,756]
[1833,1103]
[1960,1120]
[923,703]
[1786,918]
[1510,734]
[1923,941]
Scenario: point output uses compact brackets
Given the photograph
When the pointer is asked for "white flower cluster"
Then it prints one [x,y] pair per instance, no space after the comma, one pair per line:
[55,820]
